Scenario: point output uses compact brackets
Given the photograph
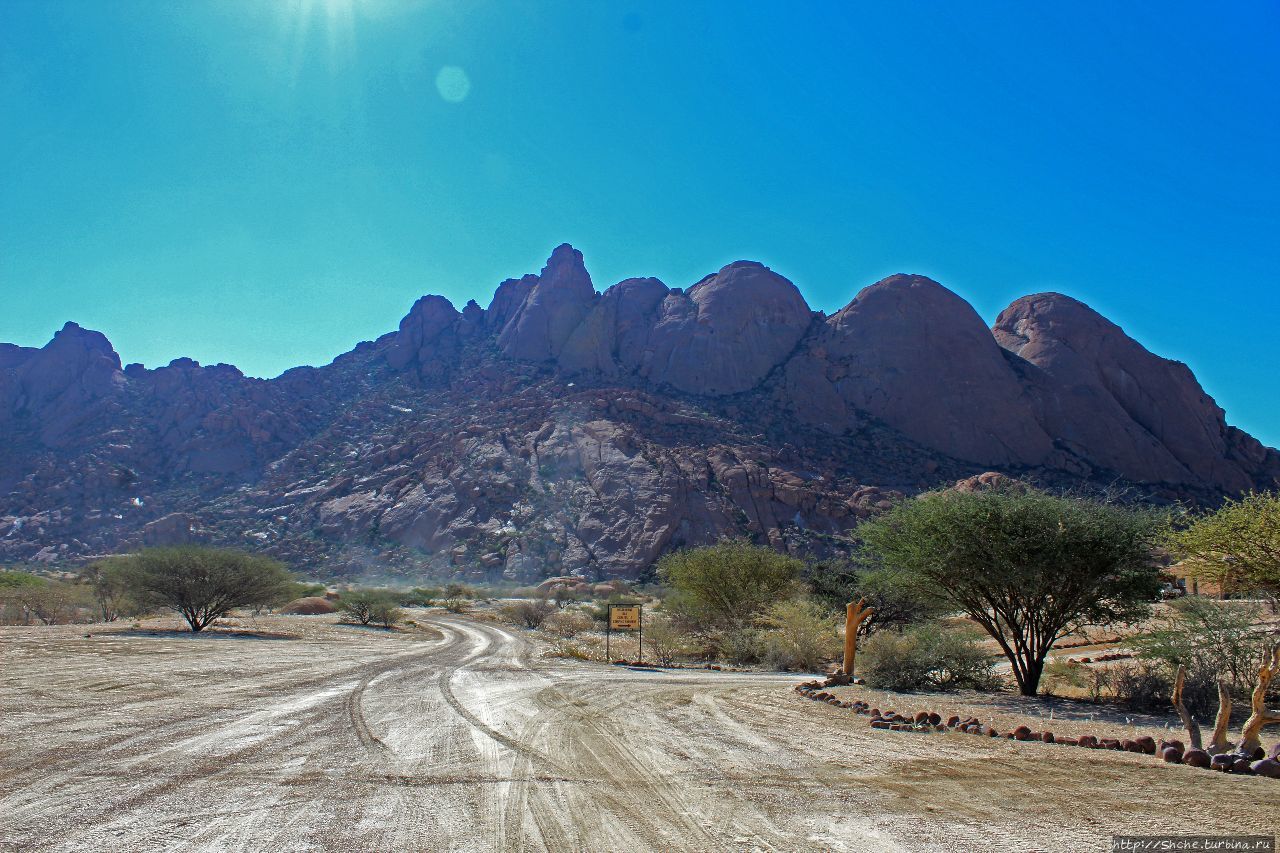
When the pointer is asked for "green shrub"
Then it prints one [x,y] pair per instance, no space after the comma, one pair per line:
[49,602]
[926,657]
[204,584]
[457,597]
[801,635]
[739,646]
[1028,567]
[567,624]
[526,613]
[1213,640]
[666,640]
[420,596]
[377,606]
[896,601]
[727,586]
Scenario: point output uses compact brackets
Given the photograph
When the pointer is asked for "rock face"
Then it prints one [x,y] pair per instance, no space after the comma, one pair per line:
[727,333]
[564,432]
[1106,398]
[553,306]
[913,354]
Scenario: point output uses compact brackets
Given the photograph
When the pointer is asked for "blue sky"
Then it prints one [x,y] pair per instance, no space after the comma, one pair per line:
[268,183]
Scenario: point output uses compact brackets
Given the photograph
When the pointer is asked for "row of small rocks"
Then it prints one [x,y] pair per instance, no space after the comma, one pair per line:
[712,666]
[1102,658]
[1171,751]
[1082,643]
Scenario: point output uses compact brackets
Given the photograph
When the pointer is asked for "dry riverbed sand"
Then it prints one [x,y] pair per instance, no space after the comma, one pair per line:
[461,735]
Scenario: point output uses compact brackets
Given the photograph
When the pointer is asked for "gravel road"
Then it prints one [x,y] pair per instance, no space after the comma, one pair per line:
[463,736]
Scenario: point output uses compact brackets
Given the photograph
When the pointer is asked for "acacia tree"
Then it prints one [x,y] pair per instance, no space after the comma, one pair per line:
[50,602]
[203,584]
[109,582]
[894,603]
[1028,566]
[1238,546]
[371,605]
[729,584]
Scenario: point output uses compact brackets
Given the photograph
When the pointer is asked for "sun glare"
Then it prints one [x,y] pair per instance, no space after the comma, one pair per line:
[333,20]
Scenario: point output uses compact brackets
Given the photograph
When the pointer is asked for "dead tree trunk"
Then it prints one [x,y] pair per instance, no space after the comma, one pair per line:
[1219,743]
[854,615]
[1250,735]
[1193,728]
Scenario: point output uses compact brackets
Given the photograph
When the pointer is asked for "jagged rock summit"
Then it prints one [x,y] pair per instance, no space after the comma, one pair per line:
[562,430]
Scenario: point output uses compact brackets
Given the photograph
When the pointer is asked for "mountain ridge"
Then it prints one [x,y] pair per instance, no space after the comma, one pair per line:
[562,429]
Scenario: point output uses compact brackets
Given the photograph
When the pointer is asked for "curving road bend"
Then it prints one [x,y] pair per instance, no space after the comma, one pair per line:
[467,738]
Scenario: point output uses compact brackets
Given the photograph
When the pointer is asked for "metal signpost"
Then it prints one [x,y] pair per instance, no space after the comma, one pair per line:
[624,617]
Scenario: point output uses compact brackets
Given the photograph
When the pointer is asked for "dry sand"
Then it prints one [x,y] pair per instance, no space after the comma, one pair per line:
[463,736]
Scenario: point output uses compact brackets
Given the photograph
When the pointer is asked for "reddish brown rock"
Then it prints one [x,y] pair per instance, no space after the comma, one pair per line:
[1196,758]
[551,309]
[426,337]
[1268,767]
[915,355]
[564,433]
[727,333]
[1118,407]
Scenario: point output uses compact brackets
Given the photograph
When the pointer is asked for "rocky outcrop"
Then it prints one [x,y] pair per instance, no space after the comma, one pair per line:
[727,333]
[564,432]
[913,354]
[427,337]
[551,308]
[60,385]
[1109,401]
[612,338]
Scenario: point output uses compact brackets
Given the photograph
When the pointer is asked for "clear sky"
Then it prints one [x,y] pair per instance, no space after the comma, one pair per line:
[268,182]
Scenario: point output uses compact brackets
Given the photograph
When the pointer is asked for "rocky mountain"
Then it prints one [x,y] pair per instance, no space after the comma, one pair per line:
[561,430]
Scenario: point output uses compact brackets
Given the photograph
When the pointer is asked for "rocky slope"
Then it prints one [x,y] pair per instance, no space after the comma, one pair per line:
[564,430]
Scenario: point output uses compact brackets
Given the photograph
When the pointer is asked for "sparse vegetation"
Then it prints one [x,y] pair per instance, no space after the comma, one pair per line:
[110,584]
[420,596]
[457,597]
[371,606]
[49,602]
[800,635]
[1214,640]
[527,613]
[666,640]
[567,624]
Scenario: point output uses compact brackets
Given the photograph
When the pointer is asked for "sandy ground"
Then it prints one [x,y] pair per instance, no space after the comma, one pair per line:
[462,736]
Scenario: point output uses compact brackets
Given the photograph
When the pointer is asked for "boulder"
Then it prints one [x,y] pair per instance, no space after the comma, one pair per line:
[726,333]
[1196,758]
[1268,767]
[309,606]
[916,356]
[551,309]
[1112,403]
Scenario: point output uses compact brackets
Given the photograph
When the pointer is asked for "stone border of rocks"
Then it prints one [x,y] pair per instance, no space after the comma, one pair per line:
[1170,751]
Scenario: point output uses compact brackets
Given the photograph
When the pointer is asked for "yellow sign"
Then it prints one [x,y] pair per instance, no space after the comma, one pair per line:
[624,618]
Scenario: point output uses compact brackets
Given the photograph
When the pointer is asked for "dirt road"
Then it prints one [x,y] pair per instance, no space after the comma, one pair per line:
[462,736]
